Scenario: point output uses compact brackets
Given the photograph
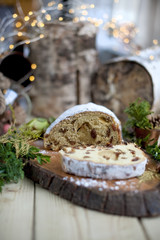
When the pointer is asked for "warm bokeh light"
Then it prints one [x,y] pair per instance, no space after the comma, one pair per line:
[30,13]
[60,6]
[27,41]
[26,18]
[126,40]
[18,24]
[2,39]
[76,19]
[43,11]
[83,6]
[48,17]
[33,66]
[50,4]
[15,15]
[40,24]
[71,10]
[19,34]
[11,46]
[155,41]
[31,78]
[151,57]
[92,6]
[85,13]
[41,35]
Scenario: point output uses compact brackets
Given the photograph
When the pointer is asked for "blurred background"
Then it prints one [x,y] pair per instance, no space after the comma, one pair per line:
[140,16]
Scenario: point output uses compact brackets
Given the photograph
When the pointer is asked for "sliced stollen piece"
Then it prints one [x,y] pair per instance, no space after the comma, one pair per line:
[89,124]
[114,162]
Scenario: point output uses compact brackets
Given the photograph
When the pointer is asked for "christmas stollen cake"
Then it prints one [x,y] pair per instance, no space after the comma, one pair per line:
[121,161]
[89,124]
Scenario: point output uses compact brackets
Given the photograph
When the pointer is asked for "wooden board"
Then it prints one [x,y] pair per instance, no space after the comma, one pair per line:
[133,197]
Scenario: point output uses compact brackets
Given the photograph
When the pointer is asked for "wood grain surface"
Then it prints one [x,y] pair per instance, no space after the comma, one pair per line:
[30,212]
[119,83]
[131,197]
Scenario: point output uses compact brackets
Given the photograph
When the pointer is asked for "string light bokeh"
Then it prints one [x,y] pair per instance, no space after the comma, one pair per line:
[31,27]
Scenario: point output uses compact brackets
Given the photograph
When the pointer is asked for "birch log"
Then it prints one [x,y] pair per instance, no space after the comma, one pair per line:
[123,80]
[66,60]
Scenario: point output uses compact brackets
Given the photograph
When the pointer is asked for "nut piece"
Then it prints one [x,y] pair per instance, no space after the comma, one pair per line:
[93,133]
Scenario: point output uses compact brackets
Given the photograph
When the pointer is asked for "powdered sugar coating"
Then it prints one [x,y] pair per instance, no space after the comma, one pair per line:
[95,170]
[89,107]
[103,162]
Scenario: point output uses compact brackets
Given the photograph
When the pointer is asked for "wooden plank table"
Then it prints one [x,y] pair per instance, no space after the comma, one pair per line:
[30,212]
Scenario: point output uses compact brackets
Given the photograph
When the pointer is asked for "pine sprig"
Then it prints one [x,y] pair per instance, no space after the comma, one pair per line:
[154,151]
[138,113]
[16,150]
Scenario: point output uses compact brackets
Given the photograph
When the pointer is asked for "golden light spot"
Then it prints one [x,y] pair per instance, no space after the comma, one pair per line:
[31,78]
[48,17]
[116,1]
[27,42]
[115,33]
[40,24]
[18,24]
[19,34]
[137,52]
[30,13]
[92,5]
[151,57]
[60,6]
[26,18]
[112,25]
[71,10]
[126,40]
[15,15]
[83,6]
[33,66]
[96,24]
[114,20]
[50,4]
[155,41]
[33,24]
[60,19]
[76,19]
[84,12]
[41,35]
[82,18]
[2,39]
[11,46]
[43,11]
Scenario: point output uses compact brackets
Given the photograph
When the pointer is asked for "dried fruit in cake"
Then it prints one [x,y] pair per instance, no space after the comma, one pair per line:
[86,124]
[115,162]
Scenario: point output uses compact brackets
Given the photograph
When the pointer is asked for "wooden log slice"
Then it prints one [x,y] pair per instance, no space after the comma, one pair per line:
[122,80]
[119,83]
[139,197]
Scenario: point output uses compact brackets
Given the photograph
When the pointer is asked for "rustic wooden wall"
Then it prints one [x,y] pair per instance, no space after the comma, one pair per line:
[66,60]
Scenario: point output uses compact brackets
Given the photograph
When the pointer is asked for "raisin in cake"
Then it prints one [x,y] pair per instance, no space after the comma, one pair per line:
[89,124]
[114,162]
